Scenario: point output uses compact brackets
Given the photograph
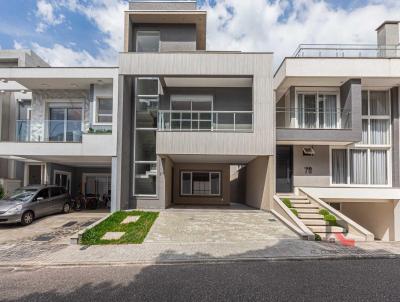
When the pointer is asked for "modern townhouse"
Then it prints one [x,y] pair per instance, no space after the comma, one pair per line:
[176,124]
[337,112]
[57,124]
[195,127]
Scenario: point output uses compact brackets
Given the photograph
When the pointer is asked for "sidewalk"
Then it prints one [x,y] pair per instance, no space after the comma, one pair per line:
[161,253]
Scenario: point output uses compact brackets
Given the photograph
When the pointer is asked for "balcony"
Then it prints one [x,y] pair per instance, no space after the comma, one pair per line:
[296,118]
[205,121]
[346,51]
[49,131]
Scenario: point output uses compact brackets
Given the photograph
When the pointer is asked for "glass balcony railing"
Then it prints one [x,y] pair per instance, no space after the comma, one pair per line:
[313,119]
[49,131]
[222,121]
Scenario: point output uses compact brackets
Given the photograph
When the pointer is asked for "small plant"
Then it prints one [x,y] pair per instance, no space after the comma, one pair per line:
[1,192]
[317,237]
[287,202]
[331,219]
[324,212]
[294,211]
[91,130]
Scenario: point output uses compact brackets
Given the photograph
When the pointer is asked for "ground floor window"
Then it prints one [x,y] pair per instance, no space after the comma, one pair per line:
[360,166]
[202,183]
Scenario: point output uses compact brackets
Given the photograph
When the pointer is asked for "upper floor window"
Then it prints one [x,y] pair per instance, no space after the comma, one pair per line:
[147,41]
[104,110]
[318,110]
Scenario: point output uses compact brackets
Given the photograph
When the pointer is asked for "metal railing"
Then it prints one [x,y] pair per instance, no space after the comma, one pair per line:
[299,118]
[49,131]
[228,121]
[347,50]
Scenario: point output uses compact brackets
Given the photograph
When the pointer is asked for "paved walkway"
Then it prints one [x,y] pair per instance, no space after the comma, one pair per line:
[225,225]
[191,239]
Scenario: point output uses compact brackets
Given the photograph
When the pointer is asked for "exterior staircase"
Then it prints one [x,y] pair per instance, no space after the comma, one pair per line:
[308,213]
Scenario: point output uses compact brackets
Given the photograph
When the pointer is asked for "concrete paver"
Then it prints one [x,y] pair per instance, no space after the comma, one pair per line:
[130,219]
[113,235]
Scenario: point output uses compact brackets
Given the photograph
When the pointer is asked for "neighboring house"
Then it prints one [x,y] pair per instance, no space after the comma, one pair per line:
[57,124]
[338,128]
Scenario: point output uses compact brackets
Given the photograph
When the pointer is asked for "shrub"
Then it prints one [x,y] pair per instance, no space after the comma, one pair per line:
[1,192]
[331,219]
[317,237]
[324,212]
[294,211]
[287,202]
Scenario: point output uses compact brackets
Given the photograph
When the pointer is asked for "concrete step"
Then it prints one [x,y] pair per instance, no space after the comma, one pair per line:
[292,197]
[332,238]
[300,201]
[304,206]
[310,216]
[326,229]
[310,222]
[308,211]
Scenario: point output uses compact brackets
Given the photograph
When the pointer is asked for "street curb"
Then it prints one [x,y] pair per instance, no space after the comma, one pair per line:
[75,239]
[201,261]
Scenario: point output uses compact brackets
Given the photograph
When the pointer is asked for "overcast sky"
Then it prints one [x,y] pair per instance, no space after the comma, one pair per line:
[90,32]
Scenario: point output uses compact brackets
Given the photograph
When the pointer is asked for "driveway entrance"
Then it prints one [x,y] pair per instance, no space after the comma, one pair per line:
[217,225]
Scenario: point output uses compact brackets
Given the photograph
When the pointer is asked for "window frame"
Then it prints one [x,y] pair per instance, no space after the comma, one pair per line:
[210,195]
[96,111]
[317,92]
[147,31]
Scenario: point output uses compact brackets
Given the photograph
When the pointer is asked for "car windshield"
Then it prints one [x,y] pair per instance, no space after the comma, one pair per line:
[21,195]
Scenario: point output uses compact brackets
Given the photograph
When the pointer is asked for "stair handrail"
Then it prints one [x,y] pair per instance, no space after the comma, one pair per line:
[295,224]
[354,225]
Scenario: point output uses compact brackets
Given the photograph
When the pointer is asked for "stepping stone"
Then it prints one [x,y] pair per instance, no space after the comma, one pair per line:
[130,219]
[113,235]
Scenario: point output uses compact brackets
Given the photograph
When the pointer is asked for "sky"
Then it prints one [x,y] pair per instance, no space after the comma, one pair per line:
[90,32]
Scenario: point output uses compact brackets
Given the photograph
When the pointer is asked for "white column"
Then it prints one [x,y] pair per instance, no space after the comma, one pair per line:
[396,220]
[115,205]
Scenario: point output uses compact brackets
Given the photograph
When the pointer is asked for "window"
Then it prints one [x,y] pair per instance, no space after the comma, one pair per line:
[201,183]
[147,41]
[145,157]
[360,166]
[55,191]
[104,110]
[318,110]
[43,194]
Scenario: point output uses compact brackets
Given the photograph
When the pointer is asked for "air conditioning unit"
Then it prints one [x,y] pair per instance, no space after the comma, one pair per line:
[308,151]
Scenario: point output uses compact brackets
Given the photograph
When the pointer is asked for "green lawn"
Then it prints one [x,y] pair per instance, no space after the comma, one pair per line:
[135,232]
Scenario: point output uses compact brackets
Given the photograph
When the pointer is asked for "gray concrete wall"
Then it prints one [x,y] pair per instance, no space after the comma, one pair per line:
[238,184]
[125,115]
[260,182]
[173,37]
[319,163]
[170,5]
[376,217]
[224,99]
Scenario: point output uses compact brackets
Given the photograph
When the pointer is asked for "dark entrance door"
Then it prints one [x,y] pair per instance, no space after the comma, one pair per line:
[284,169]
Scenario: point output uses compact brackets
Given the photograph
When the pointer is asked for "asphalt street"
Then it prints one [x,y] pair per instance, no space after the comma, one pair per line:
[337,280]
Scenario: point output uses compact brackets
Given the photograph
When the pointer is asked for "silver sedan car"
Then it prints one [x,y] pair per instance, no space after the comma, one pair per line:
[28,203]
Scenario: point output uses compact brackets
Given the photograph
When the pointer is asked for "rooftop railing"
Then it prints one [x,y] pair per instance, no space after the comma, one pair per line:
[347,51]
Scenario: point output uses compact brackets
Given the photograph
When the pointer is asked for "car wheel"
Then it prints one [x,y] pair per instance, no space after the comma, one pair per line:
[66,208]
[27,218]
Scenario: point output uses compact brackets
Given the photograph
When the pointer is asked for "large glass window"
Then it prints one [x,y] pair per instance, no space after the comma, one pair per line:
[65,124]
[201,183]
[104,110]
[317,110]
[145,166]
[147,41]
[366,166]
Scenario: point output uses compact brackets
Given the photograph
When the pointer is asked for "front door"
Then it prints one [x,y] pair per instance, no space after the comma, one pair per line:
[284,169]
[34,174]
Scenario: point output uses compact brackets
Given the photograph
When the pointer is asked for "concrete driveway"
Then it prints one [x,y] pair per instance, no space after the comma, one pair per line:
[54,229]
[233,224]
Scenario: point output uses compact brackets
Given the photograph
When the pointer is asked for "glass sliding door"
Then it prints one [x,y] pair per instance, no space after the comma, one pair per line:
[65,125]
[358,166]
[339,166]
